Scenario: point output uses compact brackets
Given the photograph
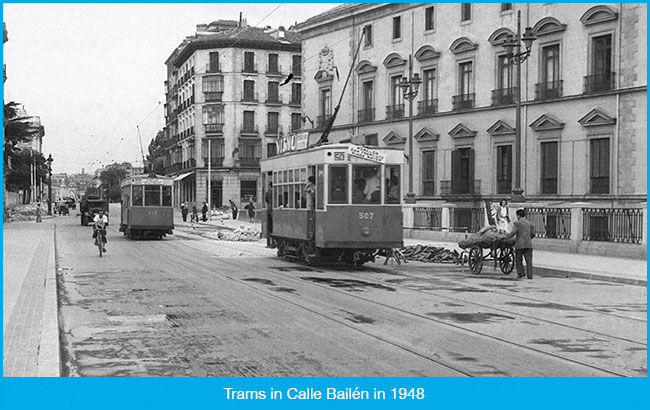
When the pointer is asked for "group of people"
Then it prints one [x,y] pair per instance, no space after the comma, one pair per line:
[524,231]
[194,215]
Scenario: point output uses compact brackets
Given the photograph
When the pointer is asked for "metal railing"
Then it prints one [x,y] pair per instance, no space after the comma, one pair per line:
[462,187]
[273,99]
[249,97]
[249,68]
[273,69]
[427,218]
[250,129]
[213,128]
[623,225]
[249,162]
[273,130]
[548,90]
[427,107]
[552,223]
[212,68]
[470,218]
[463,101]
[213,96]
[366,115]
[395,111]
[215,162]
[322,120]
[600,82]
[503,96]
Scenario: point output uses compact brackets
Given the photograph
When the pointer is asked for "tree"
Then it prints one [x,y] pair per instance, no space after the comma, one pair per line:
[156,154]
[20,175]
[17,130]
[110,179]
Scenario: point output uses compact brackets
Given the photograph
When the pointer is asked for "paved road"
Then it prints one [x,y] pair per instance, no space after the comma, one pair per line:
[193,306]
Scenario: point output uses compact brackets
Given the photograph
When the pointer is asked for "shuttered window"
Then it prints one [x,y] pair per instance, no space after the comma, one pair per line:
[428,173]
[600,166]
[504,169]
[549,167]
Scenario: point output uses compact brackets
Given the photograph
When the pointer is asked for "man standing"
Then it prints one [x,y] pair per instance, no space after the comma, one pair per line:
[524,230]
[184,211]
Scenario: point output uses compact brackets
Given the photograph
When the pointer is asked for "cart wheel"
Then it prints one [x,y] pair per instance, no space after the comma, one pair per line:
[475,260]
[507,259]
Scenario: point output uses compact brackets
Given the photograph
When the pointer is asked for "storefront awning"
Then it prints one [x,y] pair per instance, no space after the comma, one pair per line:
[183,176]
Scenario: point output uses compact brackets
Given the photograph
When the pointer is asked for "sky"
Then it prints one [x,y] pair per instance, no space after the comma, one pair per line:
[94,73]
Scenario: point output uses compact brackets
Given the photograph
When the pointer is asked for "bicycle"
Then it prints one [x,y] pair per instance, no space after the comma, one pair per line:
[100,239]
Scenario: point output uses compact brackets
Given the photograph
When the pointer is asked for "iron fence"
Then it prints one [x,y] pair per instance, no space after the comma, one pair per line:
[552,223]
[623,225]
[427,218]
[470,218]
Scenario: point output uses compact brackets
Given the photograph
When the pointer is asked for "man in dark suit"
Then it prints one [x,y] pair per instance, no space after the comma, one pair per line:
[524,230]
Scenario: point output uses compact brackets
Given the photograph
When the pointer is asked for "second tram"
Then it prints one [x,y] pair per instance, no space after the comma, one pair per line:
[355,212]
[147,210]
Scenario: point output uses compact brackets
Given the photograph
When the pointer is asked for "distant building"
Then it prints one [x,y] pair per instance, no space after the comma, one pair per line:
[226,104]
[584,109]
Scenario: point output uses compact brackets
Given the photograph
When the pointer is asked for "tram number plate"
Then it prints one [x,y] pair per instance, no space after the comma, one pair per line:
[366,215]
[152,212]
[339,156]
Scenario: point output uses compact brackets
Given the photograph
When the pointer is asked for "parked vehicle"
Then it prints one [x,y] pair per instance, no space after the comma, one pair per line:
[147,210]
[355,212]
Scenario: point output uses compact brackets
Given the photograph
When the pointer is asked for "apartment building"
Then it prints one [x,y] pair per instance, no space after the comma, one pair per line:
[583,109]
[231,91]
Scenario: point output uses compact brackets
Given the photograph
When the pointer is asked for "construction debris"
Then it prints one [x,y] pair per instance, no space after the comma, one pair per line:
[431,254]
[241,234]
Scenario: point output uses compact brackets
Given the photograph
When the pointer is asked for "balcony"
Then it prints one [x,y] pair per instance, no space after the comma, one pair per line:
[215,162]
[190,163]
[463,102]
[250,130]
[249,68]
[212,69]
[249,97]
[460,187]
[274,70]
[600,82]
[322,120]
[503,96]
[271,131]
[213,128]
[216,96]
[428,107]
[274,100]
[395,112]
[295,101]
[367,115]
[249,162]
[548,91]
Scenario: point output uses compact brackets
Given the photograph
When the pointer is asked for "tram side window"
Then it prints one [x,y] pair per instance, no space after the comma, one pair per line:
[367,185]
[137,195]
[167,196]
[338,185]
[393,189]
[320,181]
[151,195]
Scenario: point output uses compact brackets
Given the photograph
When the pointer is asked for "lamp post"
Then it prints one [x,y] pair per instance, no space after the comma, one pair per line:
[517,56]
[49,185]
[410,89]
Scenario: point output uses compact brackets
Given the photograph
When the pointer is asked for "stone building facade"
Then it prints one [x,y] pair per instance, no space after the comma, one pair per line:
[228,98]
[583,111]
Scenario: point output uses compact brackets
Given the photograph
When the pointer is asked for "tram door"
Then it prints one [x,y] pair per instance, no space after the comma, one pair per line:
[315,198]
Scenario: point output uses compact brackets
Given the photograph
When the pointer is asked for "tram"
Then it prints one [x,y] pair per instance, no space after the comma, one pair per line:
[355,212]
[147,210]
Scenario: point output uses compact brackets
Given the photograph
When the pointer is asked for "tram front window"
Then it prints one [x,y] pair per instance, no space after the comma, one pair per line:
[152,195]
[137,195]
[367,185]
[167,196]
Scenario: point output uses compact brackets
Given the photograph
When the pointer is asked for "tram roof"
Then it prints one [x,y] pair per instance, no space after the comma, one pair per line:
[330,154]
[146,179]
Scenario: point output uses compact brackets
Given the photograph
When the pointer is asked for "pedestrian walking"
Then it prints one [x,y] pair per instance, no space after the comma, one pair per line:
[204,212]
[268,198]
[234,209]
[184,211]
[250,207]
[38,213]
[524,230]
[194,218]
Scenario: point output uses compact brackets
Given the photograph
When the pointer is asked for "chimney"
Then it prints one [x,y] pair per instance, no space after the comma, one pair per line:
[281,32]
[240,17]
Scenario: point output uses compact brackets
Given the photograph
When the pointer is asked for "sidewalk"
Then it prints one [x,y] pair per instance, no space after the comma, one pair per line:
[30,330]
[618,270]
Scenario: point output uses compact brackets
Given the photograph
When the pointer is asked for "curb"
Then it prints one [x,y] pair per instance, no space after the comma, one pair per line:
[49,359]
[592,276]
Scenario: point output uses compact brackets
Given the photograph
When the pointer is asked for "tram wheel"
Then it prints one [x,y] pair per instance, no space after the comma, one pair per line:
[475,260]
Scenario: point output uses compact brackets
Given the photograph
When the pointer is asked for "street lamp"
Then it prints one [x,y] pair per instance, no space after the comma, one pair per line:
[410,89]
[49,185]
[517,56]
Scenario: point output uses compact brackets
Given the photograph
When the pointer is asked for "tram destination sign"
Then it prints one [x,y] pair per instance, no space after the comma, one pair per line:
[366,153]
[293,142]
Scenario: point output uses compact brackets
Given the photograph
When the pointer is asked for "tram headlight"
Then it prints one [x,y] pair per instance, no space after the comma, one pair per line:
[365,231]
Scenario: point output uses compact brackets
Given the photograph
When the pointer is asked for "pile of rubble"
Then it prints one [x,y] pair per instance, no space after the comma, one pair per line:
[241,234]
[24,213]
[432,254]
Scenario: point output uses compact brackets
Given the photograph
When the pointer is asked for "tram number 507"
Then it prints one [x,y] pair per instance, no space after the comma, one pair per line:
[366,215]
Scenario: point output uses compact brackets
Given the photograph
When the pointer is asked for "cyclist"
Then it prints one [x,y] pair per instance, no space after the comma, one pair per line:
[99,223]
